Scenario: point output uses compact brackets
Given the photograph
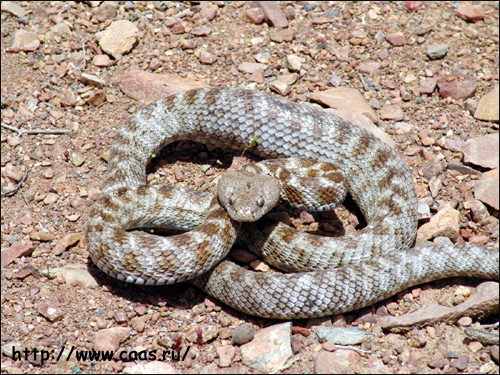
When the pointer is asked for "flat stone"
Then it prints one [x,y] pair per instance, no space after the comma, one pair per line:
[457,85]
[341,335]
[273,14]
[13,8]
[150,87]
[445,223]
[294,63]
[368,67]
[339,362]
[118,38]
[391,112]
[16,250]
[110,339]
[23,40]
[345,98]
[271,349]
[482,151]
[154,367]
[487,109]
[469,12]
[396,39]
[286,35]
[437,51]
[251,67]
[487,190]
[255,15]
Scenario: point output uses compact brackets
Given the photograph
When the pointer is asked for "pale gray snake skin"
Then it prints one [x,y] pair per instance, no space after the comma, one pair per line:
[371,265]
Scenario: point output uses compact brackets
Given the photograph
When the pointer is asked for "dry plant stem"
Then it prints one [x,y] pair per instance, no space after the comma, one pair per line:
[35,131]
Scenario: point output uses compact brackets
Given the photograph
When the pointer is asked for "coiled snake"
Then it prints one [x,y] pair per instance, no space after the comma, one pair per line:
[334,274]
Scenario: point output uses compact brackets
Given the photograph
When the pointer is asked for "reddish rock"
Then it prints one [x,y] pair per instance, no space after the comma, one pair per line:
[457,85]
[255,15]
[150,87]
[469,12]
[414,6]
[396,39]
[273,13]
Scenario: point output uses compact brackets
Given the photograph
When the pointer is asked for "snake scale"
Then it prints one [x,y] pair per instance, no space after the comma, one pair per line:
[330,275]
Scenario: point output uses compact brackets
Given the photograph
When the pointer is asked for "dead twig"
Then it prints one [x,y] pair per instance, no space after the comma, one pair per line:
[14,191]
[35,131]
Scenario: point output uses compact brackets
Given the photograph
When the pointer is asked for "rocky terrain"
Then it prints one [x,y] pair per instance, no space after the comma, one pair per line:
[422,75]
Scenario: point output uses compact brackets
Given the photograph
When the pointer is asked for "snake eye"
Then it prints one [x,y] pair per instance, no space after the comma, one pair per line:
[231,200]
[260,202]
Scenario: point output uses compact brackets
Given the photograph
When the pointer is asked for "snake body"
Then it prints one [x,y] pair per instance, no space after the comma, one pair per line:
[336,275]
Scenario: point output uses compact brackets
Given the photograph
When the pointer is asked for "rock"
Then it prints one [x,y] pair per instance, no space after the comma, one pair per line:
[460,363]
[464,321]
[437,51]
[368,67]
[226,354]
[344,98]
[286,35]
[73,274]
[414,6]
[208,10]
[482,151]
[50,312]
[258,76]
[391,112]
[68,240]
[16,250]
[283,85]
[106,11]
[118,38]
[251,67]
[110,339]
[90,79]
[68,98]
[486,189]
[428,86]
[150,87]
[471,32]
[13,8]
[363,121]
[487,109]
[485,299]
[77,158]
[242,334]
[339,362]
[445,223]
[294,63]
[479,211]
[270,350]
[341,335]
[255,15]
[23,40]
[494,353]
[457,85]
[437,360]
[13,172]
[154,367]
[273,14]
[207,57]
[263,57]
[138,323]
[469,12]
[42,236]
[201,31]
[187,44]
[396,39]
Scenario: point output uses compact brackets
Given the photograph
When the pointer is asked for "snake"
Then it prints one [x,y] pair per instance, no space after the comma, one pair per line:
[323,276]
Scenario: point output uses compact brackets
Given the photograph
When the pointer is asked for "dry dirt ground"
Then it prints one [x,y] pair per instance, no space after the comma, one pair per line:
[65,171]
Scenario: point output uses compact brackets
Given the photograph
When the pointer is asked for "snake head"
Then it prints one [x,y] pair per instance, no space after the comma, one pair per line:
[248,197]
